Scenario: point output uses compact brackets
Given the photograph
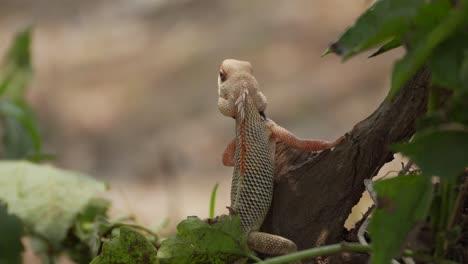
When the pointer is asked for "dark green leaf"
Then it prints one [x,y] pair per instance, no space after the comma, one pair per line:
[447,61]
[464,72]
[385,20]
[199,242]
[392,44]
[127,246]
[19,52]
[16,71]
[422,48]
[403,202]
[21,138]
[440,153]
[10,243]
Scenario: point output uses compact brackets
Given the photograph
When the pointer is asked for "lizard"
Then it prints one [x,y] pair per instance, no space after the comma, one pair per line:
[252,153]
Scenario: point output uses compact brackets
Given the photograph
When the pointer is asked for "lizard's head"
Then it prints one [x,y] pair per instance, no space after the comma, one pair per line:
[234,78]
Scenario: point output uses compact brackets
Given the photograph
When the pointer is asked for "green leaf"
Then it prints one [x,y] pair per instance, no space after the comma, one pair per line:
[422,48]
[464,71]
[83,241]
[16,72]
[10,244]
[127,246]
[392,44]
[385,20]
[438,152]
[447,62]
[21,139]
[199,242]
[45,198]
[19,53]
[403,202]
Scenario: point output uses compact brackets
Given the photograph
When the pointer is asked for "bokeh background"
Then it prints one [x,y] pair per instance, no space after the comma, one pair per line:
[126,91]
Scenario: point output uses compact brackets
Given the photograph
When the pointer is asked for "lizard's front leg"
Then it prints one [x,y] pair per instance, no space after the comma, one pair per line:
[291,140]
[229,153]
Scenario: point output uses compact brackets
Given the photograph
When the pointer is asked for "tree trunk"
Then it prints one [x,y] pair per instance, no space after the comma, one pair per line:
[314,193]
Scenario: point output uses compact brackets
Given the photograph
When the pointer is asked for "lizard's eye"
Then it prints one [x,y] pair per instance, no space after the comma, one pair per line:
[222,76]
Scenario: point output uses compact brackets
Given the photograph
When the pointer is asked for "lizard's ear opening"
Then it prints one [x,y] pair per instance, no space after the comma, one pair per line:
[263,115]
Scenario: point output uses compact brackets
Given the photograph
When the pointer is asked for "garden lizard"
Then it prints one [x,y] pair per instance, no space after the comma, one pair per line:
[252,153]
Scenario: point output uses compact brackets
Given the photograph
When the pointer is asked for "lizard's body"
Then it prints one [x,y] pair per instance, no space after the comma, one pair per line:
[252,153]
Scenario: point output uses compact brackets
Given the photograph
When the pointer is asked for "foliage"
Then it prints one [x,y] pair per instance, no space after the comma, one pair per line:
[45,198]
[127,247]
[199,242]
[398,213]
[58,209]
[21,137]
[438,152]
[434,35]
[10,244]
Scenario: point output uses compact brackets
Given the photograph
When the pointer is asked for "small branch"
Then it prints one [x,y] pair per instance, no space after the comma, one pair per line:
[255,258]
[362,231]
[407,167]
[320,251]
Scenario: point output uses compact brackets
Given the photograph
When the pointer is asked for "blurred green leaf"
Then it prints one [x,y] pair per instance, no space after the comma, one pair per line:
[421,49]
[10,244]
[19,52]
[392,44]
[385,20]
[403,202]
[447,60]
[199,242]
[21,137]
[458,110]
[464,72]
[441,153]
[83,240]
[127,246]
[17,71]
[46,199]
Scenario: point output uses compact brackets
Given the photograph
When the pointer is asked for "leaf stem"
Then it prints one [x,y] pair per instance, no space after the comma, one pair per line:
[253,257]
[213,200]
[320,251]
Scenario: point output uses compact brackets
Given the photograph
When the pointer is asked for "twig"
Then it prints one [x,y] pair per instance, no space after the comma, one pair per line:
[319,251]
[362,231]
[370,189]
[407,167]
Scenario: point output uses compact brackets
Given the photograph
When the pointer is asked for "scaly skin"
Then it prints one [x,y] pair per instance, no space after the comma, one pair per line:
[252,153]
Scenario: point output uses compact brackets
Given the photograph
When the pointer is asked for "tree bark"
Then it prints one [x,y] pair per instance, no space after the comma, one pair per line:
[314,193]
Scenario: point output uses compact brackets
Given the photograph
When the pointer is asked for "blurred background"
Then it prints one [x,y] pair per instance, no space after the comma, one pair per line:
[126,91]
